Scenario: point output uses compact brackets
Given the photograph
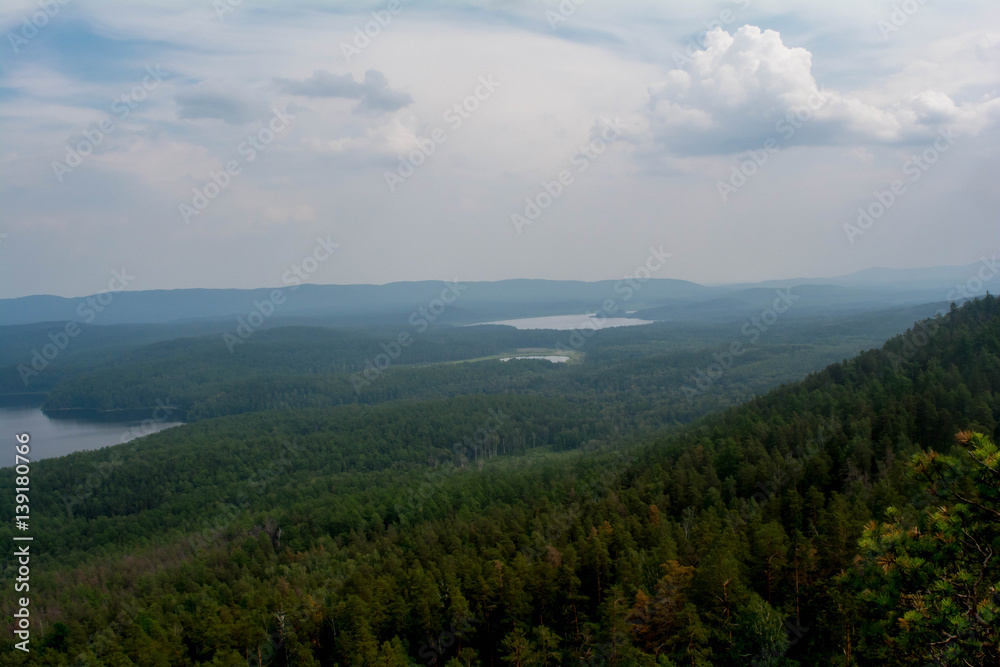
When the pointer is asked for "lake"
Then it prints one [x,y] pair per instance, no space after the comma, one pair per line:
[58,437]
[571,322]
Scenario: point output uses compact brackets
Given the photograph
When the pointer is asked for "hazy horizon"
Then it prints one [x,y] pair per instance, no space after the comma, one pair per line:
[630,332]
[201,144]
[425,280]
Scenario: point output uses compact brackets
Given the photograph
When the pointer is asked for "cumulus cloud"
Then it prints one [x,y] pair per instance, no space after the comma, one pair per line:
[749,86]
[371,144]
[200,103]
[121,203]
[374,95]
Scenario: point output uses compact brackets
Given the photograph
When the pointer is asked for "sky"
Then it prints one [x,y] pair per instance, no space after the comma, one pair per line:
[218,143]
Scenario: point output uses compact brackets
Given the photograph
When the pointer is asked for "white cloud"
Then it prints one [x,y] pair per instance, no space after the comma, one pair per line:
[734,93]
[208,102]
[373,93]
[941,68]
[169,167]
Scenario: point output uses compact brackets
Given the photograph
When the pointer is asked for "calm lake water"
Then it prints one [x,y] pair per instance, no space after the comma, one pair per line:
[58,437]
[570,322]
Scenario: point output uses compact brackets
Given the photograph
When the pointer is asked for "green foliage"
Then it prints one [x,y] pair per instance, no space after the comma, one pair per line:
[930,576]
[577,529]
[760,633]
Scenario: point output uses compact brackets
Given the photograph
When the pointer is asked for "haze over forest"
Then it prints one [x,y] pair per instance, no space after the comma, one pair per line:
[549,333]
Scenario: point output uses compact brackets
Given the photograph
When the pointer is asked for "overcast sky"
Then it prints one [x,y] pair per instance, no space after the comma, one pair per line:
[114,117]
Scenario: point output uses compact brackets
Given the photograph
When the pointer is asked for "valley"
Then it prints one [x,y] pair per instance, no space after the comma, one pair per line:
[535,503]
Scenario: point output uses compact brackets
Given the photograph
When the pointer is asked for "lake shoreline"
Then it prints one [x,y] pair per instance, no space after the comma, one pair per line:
[569,322]
[71,431]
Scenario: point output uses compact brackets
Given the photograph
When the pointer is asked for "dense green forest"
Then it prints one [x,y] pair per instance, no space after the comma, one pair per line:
[522,514]
[645,368]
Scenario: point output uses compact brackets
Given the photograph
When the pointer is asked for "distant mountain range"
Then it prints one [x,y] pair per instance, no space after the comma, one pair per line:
[933,278]
[475,302]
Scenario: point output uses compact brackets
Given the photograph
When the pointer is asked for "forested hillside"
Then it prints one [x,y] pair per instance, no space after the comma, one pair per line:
[516,528]
[646,367]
